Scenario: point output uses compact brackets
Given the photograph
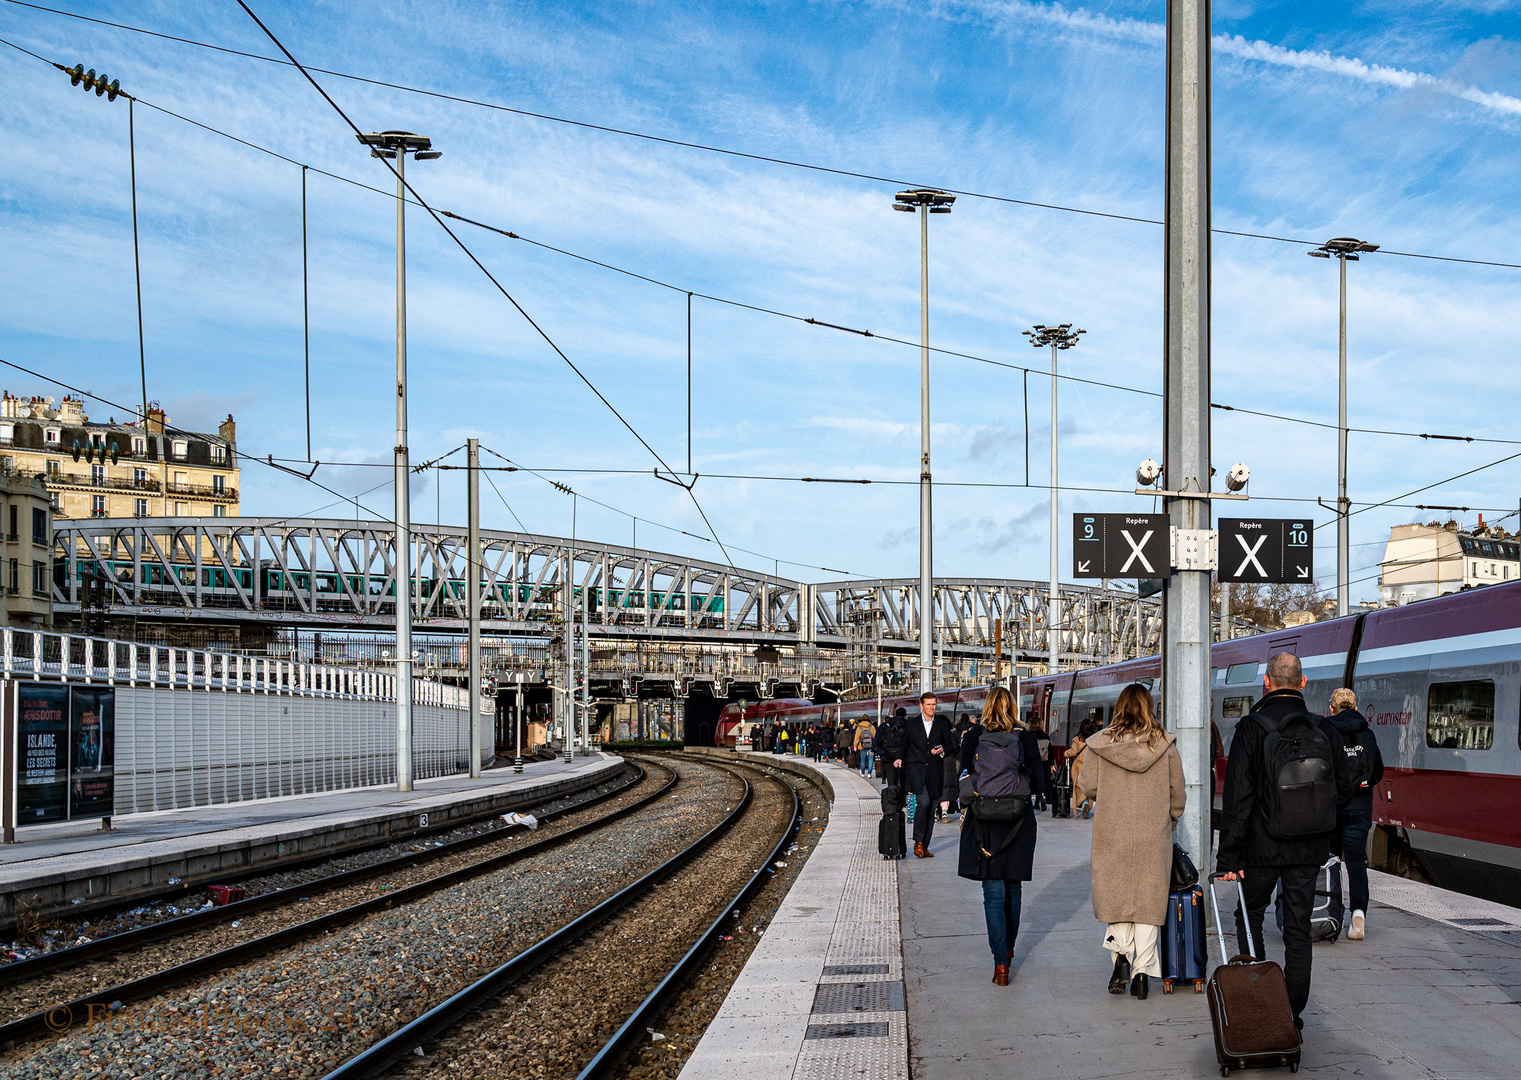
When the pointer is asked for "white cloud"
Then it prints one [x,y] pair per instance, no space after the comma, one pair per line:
[1080,20]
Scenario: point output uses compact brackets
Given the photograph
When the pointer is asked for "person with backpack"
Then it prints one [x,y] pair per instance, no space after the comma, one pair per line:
[1000,772]
[865,739]
[1364,768]
[1134,763]
[1283,788]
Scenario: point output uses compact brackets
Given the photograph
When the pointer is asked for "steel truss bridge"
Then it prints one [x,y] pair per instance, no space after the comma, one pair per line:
[337,575]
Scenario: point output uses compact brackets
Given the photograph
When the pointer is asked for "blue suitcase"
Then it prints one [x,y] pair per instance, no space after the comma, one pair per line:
[1183,944]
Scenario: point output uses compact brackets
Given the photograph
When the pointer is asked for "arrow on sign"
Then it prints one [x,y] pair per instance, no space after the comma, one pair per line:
[1082,567]
[1251,555]
[1304,571]
[1135,551]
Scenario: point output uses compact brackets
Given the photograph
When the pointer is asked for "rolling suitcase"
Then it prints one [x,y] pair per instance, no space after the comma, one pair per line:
[1249,1007]
[1184,946]
[1061,798]
[892,835]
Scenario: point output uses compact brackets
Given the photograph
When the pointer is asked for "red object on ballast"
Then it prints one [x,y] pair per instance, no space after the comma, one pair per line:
[225,894]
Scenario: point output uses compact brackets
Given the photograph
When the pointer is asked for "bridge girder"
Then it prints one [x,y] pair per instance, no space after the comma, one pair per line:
[337,574]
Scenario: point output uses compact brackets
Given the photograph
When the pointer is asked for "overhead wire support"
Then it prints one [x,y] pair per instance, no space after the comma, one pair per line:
[402,181]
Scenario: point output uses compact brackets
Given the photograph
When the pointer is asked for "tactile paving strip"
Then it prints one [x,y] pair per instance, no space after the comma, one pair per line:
[862,976]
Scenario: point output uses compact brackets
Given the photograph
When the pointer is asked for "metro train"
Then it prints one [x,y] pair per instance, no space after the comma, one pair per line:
[1440,683]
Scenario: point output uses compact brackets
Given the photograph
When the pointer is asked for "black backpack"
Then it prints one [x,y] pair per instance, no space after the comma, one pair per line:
[1357,763]
[1000,787]
[1300,794]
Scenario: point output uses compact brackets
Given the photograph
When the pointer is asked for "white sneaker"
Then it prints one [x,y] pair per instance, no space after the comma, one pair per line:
[1356,933]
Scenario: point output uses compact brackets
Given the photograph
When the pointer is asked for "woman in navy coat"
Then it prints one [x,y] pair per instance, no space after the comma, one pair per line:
[1004,873]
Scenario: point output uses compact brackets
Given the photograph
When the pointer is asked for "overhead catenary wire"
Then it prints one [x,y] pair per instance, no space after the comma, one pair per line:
[268,460]
[686,144]
[760,309]
[513,466]
[403,182]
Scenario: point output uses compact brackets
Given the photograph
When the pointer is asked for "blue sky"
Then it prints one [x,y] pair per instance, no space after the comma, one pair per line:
[1396,122]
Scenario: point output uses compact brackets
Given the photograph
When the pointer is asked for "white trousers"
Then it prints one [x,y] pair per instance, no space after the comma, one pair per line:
[1136,942]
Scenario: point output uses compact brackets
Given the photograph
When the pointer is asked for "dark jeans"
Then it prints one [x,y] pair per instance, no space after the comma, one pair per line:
[1353,826]
[1298,886]
[1001,902]
[924,815]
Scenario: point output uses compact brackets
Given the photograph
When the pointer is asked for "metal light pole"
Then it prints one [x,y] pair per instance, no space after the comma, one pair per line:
[927,201]
[1344,249]
[1186,377]
[517,728]
[1058,338]
[473,597]
[396,145]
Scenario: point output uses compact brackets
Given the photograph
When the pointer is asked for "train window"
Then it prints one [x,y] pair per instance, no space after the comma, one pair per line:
[1234,708]
[1241,673]
[1461,715]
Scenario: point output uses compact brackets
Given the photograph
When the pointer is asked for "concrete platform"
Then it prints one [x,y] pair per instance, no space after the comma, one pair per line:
[822,994]
[52,866]
[874,968]
[1432,992]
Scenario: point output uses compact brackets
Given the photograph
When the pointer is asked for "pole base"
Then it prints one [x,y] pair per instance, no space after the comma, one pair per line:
[517,765]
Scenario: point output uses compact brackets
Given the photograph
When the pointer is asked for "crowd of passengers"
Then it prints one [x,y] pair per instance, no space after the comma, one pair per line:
[1128,777]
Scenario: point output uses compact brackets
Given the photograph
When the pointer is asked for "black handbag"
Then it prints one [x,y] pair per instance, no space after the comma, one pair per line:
[1184,874]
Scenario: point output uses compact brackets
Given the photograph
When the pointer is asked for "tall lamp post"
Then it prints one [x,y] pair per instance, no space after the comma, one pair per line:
[396,145]
[926,201]
[1344,249]
[1058,338]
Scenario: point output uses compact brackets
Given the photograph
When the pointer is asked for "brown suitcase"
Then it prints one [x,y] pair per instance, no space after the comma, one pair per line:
[1249,1007]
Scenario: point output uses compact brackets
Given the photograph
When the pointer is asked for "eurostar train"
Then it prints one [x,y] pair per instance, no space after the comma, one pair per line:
[1440,684]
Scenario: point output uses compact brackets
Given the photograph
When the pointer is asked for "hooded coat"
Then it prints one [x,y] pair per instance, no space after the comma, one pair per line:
[1354,730]
[1142,798]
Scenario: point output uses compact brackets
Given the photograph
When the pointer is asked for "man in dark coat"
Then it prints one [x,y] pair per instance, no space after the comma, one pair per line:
[1365,768]
[926,745]
[890,747]
[1249,852]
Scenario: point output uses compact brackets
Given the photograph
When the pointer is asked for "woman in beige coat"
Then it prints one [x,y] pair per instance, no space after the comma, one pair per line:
[1134,763]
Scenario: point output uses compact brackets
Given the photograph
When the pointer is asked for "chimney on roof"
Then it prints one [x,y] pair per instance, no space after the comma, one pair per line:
[228,430]
[156,418]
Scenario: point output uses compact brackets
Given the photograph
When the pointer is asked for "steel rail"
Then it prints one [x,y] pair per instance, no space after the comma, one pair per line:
[50,963]
[61,1016]
[427,1027]
[616,1048]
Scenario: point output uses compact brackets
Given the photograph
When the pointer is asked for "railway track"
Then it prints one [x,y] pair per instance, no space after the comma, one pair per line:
[59,977]
[499,1021]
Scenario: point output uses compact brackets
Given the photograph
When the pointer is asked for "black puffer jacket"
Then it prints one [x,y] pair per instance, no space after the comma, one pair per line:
[1354,730]
[1244,838]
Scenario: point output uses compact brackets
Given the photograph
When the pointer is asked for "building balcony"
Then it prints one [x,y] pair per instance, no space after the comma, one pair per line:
[204,491]
[63,479]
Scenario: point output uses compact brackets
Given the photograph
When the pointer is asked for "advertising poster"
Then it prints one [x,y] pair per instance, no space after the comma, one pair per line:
[42,743]
[92,751]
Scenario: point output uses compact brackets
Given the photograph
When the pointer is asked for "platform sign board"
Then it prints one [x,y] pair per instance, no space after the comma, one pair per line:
[1267,551]
[1121,546]
[65,752]
[42,759]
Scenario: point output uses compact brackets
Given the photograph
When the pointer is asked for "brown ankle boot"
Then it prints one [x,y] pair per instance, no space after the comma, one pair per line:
[1001,975]
[920,851]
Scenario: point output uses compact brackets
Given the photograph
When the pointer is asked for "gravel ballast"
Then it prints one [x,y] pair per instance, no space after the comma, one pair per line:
[551,1024]
[305,1010]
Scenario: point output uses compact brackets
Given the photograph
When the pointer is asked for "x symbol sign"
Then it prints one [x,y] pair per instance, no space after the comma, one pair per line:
[1251,555]
[1135,551]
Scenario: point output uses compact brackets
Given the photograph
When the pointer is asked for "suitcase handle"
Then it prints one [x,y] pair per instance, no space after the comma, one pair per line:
[1220,926]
